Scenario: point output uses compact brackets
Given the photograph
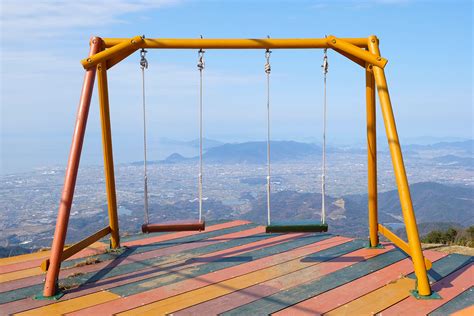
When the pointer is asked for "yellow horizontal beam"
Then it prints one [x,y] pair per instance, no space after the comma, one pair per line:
[221,43]
[70,251]
[400,243]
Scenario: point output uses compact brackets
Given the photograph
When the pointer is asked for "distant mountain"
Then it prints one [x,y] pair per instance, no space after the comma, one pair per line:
[175,158]
[456,161]
[256,152]
[466,147]
[207,142]
[436,205]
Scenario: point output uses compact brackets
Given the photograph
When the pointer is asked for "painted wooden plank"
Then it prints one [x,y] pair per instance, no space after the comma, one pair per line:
[62,307]
[446,266]
[254,292]
[467,311]
[332,299]
[283,299]
[244,244]
[173,239]
[448,287]
[6,277]
[276,254]
[109,268]
[166,237]
[152,283]
[38,257]
[463,304]
[377,300]
[391,294]
[111,256]
[92,273]
[137,236]
[249,279]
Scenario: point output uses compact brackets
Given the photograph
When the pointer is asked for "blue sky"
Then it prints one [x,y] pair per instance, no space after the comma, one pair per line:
[428,45]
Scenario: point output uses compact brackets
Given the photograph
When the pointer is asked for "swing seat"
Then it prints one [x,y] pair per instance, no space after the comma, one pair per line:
[176,226]
[297,227]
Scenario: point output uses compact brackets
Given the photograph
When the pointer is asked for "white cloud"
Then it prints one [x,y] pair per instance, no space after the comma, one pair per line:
[46,18]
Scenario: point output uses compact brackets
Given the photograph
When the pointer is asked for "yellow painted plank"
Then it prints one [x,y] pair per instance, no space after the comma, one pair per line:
[74,304]
[206,293]
[25,257]
[38,255]
[468,311]
[20,274]
[378,300]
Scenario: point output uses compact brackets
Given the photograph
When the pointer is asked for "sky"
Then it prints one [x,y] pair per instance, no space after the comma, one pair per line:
[428,45]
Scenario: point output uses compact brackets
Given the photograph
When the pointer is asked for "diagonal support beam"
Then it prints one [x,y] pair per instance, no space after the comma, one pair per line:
[129,45]
[347,49]
[409,218]
[400,243]
[86,242]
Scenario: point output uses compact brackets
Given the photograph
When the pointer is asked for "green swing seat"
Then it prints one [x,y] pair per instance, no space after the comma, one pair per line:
[297,227]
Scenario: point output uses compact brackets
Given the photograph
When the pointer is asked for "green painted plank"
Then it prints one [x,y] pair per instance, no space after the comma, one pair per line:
[192,272]
[445,266]
[283,299]
[460,302]
[163,244]
[139,265]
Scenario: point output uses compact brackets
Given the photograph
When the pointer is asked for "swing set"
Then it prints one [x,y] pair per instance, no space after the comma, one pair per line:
[107,52]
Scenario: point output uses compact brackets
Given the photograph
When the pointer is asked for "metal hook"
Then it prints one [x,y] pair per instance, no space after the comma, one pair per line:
[143,60]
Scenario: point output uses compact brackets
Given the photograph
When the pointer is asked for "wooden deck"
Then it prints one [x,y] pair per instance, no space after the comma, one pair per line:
[234,268]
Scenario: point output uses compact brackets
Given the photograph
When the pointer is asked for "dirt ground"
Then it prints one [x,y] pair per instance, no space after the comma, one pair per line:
[450,249]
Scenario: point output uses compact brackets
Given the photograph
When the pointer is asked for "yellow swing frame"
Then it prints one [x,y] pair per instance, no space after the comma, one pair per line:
[107,52]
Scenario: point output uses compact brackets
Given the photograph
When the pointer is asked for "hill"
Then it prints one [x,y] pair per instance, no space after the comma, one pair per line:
[437,206]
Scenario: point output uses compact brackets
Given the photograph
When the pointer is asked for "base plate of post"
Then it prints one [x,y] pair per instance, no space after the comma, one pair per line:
[433,296]
[379,246]
[55,297]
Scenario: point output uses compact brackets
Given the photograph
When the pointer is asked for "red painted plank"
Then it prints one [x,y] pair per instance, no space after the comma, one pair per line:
[332,299]
[166,237]
[160,293]
[24,282]
[94,251]
[151,272]
[253,293]
[448,287]
[89,251]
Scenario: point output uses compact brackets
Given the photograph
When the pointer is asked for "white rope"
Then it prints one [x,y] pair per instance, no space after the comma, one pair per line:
[267,71]
[200,66]
[323,171]
[143,66]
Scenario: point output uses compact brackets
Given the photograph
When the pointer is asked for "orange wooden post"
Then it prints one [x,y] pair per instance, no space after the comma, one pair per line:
[416,253]
[71,175]
[371,156]
[108,154]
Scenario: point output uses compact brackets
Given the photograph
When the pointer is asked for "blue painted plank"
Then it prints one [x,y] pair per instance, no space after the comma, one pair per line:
[283,299]
[192,272]
[112,270]
[460,302]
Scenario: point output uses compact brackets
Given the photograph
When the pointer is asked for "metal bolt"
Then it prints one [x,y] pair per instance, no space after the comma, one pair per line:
[379,59]
[373,40]
[334,41]
[89,60]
